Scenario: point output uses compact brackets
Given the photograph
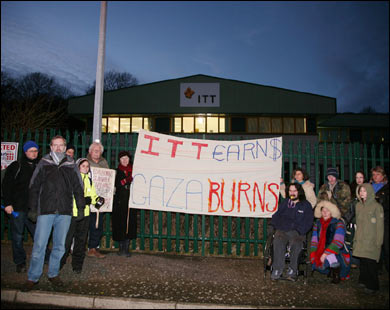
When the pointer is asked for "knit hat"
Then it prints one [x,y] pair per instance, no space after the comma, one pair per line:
[80,161]
[70,146]
[332,171]
[29,144]
[333,209]
[124,153]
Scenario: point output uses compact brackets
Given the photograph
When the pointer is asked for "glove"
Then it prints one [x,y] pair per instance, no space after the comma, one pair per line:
[32,216]
[80,214]
[99,202]
[88,200]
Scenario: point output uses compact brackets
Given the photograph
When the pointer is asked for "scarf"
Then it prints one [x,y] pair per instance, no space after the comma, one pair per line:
[377,186]
[321,241]
[126,169]
[57,157]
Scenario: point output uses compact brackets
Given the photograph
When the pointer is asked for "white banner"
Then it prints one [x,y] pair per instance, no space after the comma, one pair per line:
[199,95]
[9,153]
[104,182]
[233,178]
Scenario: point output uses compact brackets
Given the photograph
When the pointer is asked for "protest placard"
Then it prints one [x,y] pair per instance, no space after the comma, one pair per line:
[232,178]
[9,153]
[104,182]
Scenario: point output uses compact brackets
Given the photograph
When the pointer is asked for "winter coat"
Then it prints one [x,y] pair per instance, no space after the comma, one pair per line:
[369,226]
[89,191]
[101,164]
[382,196]
[16,183]
[308,188]
[121,215]
[53,186]
[299,218]
[340,195]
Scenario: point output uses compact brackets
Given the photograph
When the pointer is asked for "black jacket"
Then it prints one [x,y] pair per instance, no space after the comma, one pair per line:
[382,196]
[16,181]
[53,186]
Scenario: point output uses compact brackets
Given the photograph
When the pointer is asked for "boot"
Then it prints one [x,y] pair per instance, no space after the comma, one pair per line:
[126,251]
[335,275]
[120,252]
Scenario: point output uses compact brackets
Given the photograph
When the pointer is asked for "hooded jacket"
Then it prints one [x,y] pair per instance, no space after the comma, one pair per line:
[370,226]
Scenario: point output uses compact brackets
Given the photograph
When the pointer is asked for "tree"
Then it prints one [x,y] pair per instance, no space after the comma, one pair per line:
[115,80]
[33,101]
[368,110]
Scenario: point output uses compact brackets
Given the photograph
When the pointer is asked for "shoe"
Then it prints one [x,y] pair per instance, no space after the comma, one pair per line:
[78,271]
[354,266]
[291,275]
[335,275]
[56,281]
[361,285]
[95,253]
[28,286]
[370,291]
[21,268]
[275,275]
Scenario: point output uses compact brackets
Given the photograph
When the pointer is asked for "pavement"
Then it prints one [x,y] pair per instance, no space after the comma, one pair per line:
[168,281]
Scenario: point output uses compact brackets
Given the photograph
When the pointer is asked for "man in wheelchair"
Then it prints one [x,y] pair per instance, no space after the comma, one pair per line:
[291,222]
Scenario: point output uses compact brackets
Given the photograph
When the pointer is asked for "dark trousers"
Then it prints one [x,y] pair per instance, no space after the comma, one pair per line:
[78,231]
[369,273]
[95,234]
[385,250]
[17,230]
[280,243]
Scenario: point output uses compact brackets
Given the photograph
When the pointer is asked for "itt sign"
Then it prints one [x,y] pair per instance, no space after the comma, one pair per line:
[199,94]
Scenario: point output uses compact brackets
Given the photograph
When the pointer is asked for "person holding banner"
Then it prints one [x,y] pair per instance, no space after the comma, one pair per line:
[124,219]
[291,222]
[15,194]
[96,159]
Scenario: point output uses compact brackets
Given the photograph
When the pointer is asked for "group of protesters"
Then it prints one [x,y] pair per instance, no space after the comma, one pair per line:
[53,197]
[350,229]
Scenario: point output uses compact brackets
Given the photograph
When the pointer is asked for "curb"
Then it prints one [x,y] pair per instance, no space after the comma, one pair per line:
[98,302]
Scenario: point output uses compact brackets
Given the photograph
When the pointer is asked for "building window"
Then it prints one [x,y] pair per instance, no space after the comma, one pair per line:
[300,125]
[136,124]
[222,122]
[288,125]
[188,124]
[104,124]
[212,124]
[113,124]
[200,124]
[276,125]
[125,124]
[252,124]
[238,124]
[162,124]
[177,124]
[264,124]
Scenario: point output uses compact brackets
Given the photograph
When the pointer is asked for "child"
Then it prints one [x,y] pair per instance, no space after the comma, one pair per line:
[79,229]
[368,237]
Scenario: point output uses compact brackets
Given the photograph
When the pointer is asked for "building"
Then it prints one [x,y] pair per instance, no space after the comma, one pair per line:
[202,104]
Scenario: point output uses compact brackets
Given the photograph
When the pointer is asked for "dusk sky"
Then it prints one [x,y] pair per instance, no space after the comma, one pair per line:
[336,49]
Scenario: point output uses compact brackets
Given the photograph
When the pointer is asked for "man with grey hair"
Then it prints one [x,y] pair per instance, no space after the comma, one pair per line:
[96,159]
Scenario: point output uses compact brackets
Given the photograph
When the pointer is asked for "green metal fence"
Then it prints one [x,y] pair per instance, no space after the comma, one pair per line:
[210,235]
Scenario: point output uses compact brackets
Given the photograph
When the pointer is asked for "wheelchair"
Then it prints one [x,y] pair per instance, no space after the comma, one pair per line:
[304,265]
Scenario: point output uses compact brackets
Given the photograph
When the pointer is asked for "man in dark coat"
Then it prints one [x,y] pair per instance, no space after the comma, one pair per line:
[15,195]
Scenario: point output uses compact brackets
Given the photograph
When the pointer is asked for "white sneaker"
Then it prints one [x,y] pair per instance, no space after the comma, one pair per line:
[275,275]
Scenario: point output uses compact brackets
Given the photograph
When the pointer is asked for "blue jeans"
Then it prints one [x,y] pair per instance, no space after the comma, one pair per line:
[17,229]
[45,223]
[95,234]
